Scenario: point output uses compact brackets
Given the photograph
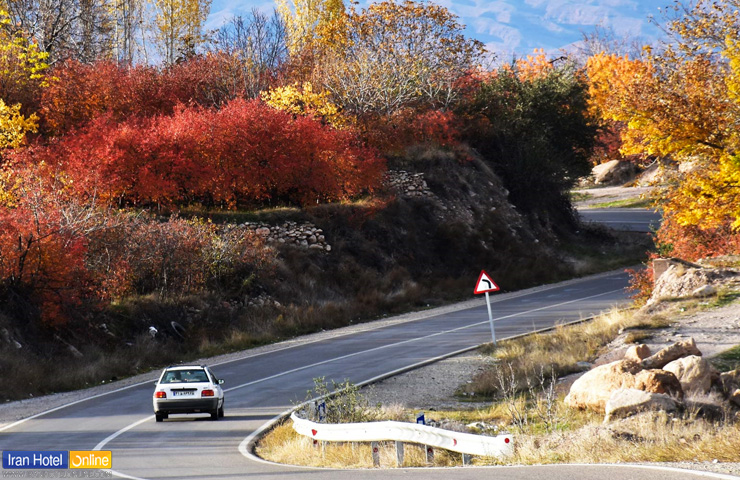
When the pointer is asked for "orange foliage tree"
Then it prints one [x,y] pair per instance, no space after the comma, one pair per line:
[681,104]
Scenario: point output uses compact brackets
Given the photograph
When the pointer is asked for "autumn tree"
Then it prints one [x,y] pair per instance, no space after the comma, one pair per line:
[398,55]
[21,75]
[48,23]
[308,21]
[179,27]
[680,103]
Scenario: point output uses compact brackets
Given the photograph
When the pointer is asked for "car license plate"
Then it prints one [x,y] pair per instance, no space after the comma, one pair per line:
[183,393]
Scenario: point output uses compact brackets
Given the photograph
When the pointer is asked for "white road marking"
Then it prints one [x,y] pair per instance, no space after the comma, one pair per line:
[103,443]
[499,298]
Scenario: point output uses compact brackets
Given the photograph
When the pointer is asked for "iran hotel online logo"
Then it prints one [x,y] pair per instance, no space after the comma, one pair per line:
[56,459]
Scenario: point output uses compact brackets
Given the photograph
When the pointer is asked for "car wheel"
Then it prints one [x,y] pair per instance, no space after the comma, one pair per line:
[214,414]
[158,417]
[221,411]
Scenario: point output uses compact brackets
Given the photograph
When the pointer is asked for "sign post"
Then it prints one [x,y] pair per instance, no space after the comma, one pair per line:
[486,284]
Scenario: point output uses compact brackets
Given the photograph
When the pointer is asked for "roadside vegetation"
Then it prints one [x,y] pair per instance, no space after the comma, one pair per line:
[626,203]
[526,400]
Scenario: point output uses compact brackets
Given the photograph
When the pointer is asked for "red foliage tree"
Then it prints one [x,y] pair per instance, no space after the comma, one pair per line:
[43,241]
[79,92]
[246,152]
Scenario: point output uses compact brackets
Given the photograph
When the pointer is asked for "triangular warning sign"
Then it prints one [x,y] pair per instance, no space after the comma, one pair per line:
[485,284]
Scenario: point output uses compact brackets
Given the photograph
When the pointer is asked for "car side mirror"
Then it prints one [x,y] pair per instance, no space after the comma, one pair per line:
[220,381]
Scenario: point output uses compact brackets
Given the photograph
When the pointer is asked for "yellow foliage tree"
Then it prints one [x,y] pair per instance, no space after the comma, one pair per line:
[179,26]
[304,101]
[21,69]
[13,125]
[308,22]
[684,104]
[534,66]
[22,64]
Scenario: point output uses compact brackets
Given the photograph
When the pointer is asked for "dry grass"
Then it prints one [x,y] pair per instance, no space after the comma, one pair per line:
[648,437]
[284,445]
[562,349]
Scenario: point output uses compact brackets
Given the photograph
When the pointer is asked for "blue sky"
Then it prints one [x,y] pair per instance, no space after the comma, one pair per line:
[518,26]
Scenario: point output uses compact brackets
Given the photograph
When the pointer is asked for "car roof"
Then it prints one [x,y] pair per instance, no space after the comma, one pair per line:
[185,367]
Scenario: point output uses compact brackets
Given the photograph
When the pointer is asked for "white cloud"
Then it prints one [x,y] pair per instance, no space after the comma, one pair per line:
[578,14]
[501,11]
[509,36]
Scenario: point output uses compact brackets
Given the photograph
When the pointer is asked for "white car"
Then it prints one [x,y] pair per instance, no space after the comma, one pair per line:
[188,389]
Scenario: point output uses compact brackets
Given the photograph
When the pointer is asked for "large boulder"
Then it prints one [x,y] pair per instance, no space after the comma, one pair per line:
[593,389]
[613,172]
[694,373]
[666,355]
[658,381]
[628,401]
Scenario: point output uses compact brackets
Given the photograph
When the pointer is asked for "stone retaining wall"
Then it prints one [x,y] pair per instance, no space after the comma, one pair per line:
[408,184]
[304,235]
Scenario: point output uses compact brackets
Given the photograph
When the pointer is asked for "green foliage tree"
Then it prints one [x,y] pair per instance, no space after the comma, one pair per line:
[537,132]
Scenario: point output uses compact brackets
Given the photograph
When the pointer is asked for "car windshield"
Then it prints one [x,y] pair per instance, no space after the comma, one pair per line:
[185,376]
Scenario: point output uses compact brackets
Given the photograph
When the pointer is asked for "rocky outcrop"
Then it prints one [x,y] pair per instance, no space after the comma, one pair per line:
[629,401]
[694,373]
[666,355]
[684,280]
[638,370]
[641,381]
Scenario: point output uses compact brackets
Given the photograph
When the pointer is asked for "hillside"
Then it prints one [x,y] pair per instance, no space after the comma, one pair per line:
[418,243]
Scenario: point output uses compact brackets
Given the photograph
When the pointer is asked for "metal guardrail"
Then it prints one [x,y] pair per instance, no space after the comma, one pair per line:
[467,443]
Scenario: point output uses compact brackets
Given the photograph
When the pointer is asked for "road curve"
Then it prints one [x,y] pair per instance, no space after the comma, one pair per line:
[261,386]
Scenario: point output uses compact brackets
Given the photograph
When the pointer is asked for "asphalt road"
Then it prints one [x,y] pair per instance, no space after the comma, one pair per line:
[624,219]
[261,386]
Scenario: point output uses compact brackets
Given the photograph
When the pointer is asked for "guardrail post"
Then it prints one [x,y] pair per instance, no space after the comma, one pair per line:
[399,454]
[376,453]
[467,459]
[430,454]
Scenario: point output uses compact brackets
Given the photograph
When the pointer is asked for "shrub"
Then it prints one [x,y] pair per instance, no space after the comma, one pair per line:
[246,152]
